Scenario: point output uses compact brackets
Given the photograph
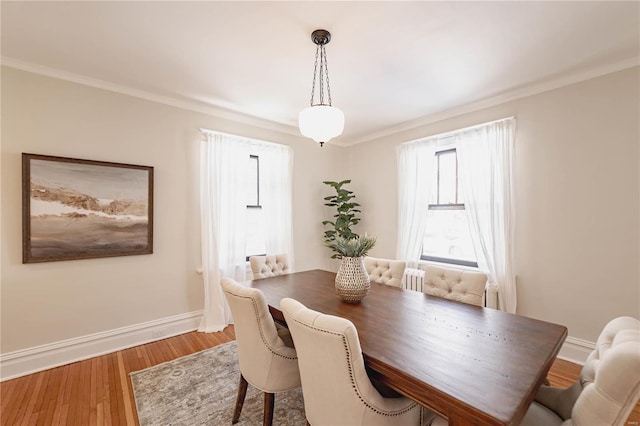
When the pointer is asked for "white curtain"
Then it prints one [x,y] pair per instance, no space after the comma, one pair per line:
[223,205]
[415,173]
[223,208]
[485,156]
[276,164]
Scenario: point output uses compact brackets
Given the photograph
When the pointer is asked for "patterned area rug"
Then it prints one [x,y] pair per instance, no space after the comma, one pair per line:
[201,389]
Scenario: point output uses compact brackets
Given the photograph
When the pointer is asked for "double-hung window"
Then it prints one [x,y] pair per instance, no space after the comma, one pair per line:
[255,238]
[455,202]
[447,237]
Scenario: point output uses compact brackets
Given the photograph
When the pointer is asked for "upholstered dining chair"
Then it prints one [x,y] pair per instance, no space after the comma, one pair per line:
[269,265]
[608,388]
[335,385]
[385,271]
[266,354]
[455,284]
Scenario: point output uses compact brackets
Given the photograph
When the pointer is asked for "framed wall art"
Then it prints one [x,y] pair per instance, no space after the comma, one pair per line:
[83,209]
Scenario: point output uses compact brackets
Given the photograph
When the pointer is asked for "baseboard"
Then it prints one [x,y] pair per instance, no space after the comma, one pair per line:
[576,350]
[31,360]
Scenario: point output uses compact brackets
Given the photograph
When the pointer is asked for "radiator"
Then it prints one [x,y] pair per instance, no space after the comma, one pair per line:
[413,279]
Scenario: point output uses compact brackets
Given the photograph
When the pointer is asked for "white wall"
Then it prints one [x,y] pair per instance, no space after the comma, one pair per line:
[577,198]
[578,185]
[55,301]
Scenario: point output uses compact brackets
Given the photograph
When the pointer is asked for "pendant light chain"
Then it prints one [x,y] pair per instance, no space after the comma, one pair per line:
[315,71]
[322,54]
[326,73]
[323,74]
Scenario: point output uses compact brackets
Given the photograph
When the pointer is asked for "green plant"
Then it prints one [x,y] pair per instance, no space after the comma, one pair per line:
[345,216]
[352,247]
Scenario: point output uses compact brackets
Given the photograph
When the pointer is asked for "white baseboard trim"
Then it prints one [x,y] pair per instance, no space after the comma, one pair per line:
[31,360]
[576,350]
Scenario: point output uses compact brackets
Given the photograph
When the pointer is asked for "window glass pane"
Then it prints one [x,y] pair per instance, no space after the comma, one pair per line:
[254,244]
[447,236]
[433,197]
[448,178]
[255,233]
[252,181]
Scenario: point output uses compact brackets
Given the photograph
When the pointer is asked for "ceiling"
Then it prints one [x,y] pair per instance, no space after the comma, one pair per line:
[392,64]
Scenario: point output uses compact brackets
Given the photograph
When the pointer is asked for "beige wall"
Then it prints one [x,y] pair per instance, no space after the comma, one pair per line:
[50,302]
[578,186]
[577,191]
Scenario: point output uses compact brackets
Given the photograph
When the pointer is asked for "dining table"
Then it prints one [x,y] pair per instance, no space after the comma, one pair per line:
[472,365]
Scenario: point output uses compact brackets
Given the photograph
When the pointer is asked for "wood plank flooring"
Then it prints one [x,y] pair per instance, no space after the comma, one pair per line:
[98,391]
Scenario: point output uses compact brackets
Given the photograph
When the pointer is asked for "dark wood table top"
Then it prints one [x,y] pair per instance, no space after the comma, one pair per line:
[470,364]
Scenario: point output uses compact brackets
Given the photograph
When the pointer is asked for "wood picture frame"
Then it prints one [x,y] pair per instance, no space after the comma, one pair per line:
[84,209]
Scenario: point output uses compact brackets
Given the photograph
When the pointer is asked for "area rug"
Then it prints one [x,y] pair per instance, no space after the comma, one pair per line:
[201,389]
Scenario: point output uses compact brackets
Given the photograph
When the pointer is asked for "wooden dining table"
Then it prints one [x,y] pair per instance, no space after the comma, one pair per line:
[472,365]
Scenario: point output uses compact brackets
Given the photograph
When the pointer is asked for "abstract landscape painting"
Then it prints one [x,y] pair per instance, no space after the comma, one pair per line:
[81,209]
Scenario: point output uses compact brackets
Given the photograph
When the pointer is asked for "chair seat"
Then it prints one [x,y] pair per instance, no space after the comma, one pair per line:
[539,415]
[608,388]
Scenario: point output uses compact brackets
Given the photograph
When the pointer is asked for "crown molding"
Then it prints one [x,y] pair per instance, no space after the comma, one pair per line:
[239,117]
[213,110]
[522,92]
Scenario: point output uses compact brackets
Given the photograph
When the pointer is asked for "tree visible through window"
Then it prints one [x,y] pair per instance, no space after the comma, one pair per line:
[447,238]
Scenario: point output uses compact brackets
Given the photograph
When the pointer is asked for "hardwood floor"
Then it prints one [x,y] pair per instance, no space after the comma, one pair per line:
[98,391]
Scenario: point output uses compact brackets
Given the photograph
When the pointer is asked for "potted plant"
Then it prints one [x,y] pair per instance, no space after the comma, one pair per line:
[352,280]
[345,217]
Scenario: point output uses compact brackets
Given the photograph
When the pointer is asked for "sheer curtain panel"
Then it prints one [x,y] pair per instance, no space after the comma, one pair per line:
[223,212]
[485,156]
[275,179]
[415,173]
[223,205]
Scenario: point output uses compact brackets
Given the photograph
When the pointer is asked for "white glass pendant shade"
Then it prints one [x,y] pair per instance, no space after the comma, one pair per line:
[321,122]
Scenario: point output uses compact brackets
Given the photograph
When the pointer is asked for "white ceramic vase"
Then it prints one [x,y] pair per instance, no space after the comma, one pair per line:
[352,280]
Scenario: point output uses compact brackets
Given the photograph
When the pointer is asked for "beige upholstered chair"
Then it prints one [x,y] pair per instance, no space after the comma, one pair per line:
[385,271]
[608,388]
[335,385]
[455,284]
[266,355]
[269,266]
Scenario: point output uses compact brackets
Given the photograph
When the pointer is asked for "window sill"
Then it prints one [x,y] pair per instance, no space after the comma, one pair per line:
[450,265]
[448,261]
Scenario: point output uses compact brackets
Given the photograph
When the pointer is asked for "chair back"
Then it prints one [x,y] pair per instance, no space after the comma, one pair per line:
[335,385]
[385,271]
[269,266]
[455,284]
[610,377]
[265,360]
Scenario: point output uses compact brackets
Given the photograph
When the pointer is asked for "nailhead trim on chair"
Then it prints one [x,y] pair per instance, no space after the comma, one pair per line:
[353,382]
[264,340]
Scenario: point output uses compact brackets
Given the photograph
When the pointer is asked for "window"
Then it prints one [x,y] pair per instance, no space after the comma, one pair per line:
[253,182]
[447,238]
[255,243]
[481,158]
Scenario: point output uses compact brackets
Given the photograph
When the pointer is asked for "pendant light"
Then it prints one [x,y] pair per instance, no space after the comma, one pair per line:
[321,121]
